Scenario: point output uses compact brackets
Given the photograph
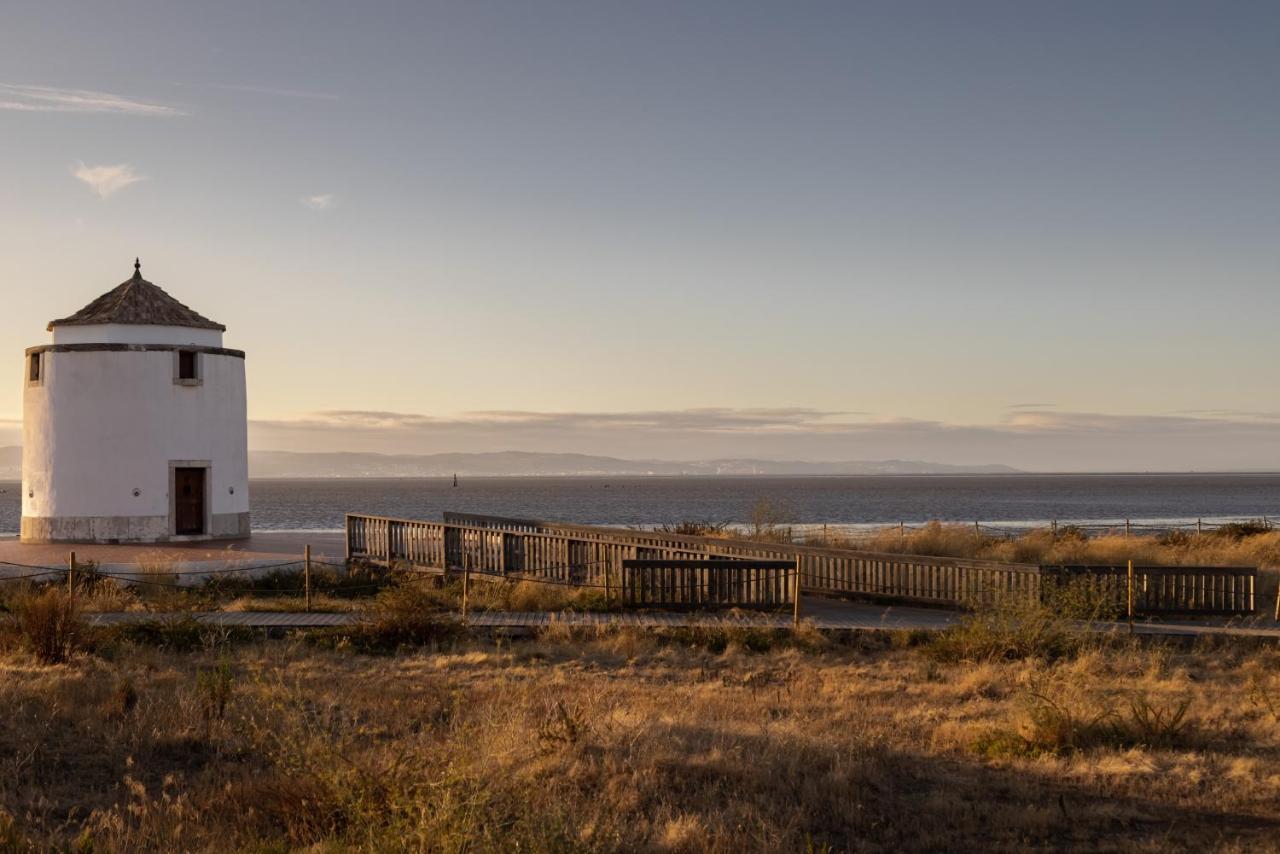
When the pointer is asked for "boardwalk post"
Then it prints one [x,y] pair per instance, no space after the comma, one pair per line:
[306,573]
[466,584]
[1130,597]
[608,588]
[795,613]
[71,574]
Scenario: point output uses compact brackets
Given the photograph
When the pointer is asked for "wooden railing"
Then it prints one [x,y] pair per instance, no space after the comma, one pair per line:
[579,554]
[936,580]
[1205,590]
[715,583]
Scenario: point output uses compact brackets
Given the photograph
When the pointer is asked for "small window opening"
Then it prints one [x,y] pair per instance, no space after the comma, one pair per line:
[187,365]
[33,368]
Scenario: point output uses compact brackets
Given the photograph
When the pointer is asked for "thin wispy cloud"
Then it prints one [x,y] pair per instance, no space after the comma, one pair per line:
[703,420]
[50,99]
[320,201]
[277,92]
[105,181]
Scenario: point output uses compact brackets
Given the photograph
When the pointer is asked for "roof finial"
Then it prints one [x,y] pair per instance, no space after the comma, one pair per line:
[137,267]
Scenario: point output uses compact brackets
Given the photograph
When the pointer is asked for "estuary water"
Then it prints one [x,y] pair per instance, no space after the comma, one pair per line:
[1155,499]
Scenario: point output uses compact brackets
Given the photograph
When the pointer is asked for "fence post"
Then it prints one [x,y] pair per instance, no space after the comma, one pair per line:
[1131,596]
[1127,528]
[306,573]
[795,612]
[977,529]
[71,575]
[1199,526]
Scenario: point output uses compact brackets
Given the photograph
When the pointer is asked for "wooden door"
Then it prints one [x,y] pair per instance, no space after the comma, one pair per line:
[188,507]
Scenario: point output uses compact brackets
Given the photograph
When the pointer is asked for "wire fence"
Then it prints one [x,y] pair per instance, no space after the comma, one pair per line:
[871,533]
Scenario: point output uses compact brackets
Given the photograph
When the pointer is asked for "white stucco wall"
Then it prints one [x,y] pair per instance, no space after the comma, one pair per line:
[117,333]
[103,423]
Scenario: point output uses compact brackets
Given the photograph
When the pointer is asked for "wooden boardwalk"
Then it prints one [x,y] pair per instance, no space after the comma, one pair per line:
[843,616]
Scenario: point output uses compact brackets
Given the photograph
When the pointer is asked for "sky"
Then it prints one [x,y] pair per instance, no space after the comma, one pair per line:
[1032,233]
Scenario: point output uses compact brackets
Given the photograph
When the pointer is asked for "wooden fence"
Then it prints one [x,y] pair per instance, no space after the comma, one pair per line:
[1204,590]
[714,583]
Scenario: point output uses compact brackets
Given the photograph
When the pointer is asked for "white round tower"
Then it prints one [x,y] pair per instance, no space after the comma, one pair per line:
[134,425]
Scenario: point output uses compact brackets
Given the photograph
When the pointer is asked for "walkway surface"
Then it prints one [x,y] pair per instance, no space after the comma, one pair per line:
[852,617]
[828,615]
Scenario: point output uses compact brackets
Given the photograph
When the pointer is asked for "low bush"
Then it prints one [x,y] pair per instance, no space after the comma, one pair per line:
[695,528]
[185,634]
[1065,721]
[408,614]
[1008,627]
[1237,531]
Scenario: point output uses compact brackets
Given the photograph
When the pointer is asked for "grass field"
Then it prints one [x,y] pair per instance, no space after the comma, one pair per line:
[617,741]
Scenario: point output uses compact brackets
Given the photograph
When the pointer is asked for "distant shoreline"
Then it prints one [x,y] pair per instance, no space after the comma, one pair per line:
[12,479]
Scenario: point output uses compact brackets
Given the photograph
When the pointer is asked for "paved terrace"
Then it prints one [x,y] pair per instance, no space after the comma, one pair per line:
[262,548]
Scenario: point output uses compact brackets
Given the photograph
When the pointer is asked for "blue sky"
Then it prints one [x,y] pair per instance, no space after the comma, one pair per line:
[1031,233]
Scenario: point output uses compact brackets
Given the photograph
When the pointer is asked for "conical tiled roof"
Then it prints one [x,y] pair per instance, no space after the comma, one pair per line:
[137,302]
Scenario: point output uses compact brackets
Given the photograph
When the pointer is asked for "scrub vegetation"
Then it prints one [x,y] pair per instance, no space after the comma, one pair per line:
[407,732]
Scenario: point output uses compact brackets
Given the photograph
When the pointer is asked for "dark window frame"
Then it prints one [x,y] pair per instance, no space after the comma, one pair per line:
[186,367]
[35,369]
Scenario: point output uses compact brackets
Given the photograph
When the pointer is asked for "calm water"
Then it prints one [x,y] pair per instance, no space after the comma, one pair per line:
[320,504]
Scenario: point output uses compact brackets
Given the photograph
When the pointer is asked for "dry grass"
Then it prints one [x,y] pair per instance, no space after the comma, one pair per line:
[623,741]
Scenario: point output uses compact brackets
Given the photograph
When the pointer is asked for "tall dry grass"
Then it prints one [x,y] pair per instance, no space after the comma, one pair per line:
[621,742]
[47,622]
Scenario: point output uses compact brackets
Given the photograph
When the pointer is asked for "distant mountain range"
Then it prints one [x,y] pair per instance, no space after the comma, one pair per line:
[519,463]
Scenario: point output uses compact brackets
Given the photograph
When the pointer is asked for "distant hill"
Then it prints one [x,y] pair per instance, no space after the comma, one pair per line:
[516,463]
[520,463]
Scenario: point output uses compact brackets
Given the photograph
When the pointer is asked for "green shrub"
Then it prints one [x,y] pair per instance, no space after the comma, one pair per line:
[1011,626]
